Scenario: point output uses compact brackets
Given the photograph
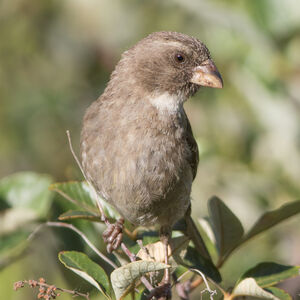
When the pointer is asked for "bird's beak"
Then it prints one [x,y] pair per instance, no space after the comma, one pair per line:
[207,74]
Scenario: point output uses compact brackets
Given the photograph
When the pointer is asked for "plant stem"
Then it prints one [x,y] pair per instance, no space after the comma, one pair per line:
[132,258]
[51,289]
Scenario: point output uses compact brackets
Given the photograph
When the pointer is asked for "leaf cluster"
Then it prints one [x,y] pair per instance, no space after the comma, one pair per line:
[127,276]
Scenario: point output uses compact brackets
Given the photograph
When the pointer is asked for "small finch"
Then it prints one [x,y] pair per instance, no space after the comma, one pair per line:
[137,145]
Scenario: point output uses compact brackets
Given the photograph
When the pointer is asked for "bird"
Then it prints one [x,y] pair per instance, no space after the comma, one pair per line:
[137,145]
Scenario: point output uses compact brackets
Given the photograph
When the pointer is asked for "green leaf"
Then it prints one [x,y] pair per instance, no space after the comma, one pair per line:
[272,218]
[191,259]
[180,270]
[77,192]
[156,251]
[24,199]
[179,243]
[208,236]
[27,190]
[227,227]
[82,196]
[193,233]
[281,294]
[123,278]
[141,295]
[83,266]
[12,246]
[249,287]
[109,211]
[269,273]
[77,214]
[12,240]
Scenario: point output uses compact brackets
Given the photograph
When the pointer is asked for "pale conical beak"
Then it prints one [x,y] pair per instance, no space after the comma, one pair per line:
[207,74]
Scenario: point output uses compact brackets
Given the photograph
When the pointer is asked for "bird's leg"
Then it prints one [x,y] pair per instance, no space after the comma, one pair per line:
[163,291]
[165,234]
[113,234]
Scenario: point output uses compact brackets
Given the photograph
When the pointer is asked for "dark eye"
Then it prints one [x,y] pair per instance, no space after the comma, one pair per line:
[179,58]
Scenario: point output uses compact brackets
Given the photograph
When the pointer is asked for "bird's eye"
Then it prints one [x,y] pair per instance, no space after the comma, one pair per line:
[179,58]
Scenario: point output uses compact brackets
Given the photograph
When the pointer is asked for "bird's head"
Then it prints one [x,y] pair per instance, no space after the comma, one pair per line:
[170,62]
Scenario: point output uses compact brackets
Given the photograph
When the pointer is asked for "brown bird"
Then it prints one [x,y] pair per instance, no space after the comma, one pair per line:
[137,145]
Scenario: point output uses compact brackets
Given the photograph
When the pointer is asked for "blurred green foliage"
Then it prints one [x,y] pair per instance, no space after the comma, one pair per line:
[56,57]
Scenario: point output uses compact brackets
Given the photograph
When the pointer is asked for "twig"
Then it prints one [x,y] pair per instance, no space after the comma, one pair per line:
[47,291]
[211,292]
[145,249]
[219,287]
[89,243]
[183,289]
[74,155]
[132,258]
[196,283]
[181,276]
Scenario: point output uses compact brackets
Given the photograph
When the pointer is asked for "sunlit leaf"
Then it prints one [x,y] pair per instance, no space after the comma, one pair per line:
[281,294]
[249,287]
[77,214]
[153,252]
[24,198]
[227,227]
[123,278]
[13,219]
[269,273]
[272,218]
[77,192]
[83,266]
[81,195]
[27,190]
[208,236]
[156,251]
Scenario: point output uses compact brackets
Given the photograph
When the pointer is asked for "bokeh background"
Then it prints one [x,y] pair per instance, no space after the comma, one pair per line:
[56,57]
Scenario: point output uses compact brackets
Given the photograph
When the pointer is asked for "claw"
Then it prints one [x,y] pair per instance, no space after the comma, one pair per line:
[107,233]
[117,242]
[113,235]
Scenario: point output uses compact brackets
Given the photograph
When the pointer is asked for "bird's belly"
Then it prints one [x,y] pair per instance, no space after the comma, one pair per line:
[164,211]
[153,190]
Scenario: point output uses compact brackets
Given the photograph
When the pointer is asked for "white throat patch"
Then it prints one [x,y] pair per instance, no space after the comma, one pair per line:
[167,103]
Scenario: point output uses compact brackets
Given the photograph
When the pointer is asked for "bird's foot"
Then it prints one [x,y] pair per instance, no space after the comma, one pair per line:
[113,235]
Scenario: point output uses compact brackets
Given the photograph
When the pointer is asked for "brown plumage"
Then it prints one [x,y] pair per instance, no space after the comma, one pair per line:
[137,144]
